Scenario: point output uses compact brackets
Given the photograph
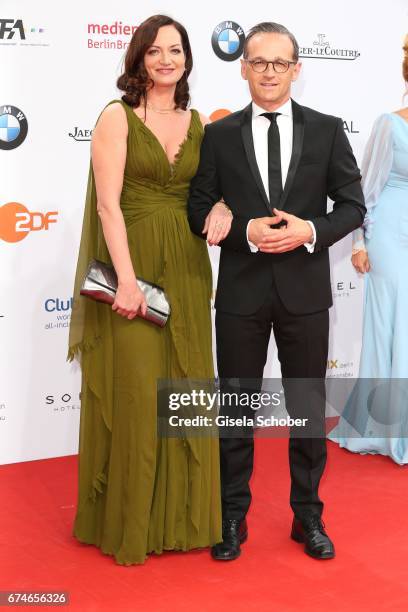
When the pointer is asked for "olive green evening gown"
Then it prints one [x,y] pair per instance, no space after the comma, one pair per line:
[139,492]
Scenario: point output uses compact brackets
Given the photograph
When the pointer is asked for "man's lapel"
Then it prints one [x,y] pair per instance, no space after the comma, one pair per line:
[297,146]
[247,138]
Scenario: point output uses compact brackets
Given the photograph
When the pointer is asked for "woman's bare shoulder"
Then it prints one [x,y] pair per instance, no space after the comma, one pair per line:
[112,119]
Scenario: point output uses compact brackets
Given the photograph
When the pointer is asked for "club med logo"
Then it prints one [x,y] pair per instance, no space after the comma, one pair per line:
[322,49]
[81,135]
[228,40]
[58,304]
[13,127]
[118,35]
[61,310]
[14,32]
[16,221]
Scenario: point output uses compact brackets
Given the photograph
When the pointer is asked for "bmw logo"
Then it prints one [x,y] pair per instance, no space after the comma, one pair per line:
[13,127]
[228,40]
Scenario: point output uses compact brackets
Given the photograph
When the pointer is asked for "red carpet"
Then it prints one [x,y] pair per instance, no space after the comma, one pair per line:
[366,515]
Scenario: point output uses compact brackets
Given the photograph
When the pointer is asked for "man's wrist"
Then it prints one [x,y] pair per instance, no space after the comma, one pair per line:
[253,248]
[310,235]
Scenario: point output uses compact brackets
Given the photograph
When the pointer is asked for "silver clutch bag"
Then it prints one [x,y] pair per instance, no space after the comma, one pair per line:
[101,283]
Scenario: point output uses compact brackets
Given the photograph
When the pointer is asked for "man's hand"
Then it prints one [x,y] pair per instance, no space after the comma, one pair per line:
[260,228]
[296,233]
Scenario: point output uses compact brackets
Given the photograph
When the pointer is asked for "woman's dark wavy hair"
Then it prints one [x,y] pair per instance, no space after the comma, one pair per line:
[135,80]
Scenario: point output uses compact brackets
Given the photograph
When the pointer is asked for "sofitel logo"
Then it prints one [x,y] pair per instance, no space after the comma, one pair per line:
[81,135]
[321,49]
[63,403]
[342,289]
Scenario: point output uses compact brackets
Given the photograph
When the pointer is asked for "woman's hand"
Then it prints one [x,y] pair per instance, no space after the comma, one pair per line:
[129,300]
[360,261]
[218,223]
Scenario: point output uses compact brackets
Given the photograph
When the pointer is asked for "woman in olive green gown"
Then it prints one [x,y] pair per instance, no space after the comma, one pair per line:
[139,492]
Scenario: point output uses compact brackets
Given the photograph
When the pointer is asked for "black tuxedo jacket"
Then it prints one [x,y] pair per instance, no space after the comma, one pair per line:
[322,164]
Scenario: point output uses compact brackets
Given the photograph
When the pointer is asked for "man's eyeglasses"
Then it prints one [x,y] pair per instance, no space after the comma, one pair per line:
[279,66]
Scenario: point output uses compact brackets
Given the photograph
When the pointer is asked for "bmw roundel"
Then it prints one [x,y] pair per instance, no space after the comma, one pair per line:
[13,127]
[228,40]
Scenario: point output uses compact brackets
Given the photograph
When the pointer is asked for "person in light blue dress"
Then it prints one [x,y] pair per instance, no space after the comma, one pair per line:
[375,418]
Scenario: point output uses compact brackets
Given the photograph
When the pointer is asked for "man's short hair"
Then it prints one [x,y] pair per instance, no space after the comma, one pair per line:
[271,28]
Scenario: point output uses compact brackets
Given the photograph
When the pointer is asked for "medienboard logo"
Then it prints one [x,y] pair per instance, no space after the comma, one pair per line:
[15,32]
[322,49]
[114,35]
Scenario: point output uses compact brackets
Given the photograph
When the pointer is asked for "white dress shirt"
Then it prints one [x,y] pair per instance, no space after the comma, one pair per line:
[260,127]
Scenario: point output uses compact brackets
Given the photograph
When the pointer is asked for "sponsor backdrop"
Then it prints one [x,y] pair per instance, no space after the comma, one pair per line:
[59,68]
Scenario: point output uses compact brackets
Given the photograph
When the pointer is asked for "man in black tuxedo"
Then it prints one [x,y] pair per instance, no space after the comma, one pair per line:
[274,163]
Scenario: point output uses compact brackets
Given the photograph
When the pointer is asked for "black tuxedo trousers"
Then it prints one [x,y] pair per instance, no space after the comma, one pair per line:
[242,348]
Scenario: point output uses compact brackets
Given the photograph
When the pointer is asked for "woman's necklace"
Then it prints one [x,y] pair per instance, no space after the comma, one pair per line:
[163,111]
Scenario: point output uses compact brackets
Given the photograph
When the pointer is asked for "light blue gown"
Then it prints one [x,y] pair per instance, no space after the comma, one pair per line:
[375,418]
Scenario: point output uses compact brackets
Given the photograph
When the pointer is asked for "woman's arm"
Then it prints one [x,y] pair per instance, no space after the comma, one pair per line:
[109,147]
[218,222]
[375,169]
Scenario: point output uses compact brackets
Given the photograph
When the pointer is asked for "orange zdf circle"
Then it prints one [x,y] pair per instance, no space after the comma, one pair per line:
[220,113]
[11,227]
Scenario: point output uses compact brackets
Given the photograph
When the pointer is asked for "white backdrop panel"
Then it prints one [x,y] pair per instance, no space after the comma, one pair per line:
[60,79]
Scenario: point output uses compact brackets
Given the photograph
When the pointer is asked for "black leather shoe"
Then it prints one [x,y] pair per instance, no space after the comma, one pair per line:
[310,531]
[234,533]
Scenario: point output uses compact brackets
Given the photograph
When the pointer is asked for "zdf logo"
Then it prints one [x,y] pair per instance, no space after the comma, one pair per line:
[16,221]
